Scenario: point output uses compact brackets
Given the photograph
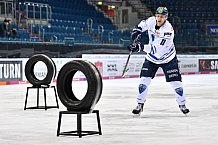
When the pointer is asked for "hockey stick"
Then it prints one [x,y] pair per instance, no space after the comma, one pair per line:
[125,70]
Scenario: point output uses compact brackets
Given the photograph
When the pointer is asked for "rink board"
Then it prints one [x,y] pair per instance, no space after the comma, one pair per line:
[110,66]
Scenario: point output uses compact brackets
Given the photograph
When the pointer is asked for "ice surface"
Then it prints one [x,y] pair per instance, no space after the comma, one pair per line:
[161,123]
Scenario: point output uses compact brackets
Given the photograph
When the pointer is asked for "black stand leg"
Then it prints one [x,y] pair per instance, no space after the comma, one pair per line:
[56,97]
[45,98]
[98,120]
[26,98]
[59,123]
[37,97]
[79,124]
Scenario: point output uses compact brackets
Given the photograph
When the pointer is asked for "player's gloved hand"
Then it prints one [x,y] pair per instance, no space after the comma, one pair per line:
[136,35]
[135,47]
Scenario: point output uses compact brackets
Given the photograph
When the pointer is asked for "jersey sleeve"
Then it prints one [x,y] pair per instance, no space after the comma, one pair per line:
[143,25]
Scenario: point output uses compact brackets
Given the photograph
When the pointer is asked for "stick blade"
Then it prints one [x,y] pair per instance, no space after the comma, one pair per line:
[125,72]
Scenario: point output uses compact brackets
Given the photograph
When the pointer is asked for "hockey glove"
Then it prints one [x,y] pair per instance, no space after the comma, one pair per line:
[136,35]
[135,47]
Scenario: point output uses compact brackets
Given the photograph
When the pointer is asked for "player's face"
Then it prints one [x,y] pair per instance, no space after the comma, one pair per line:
[160,19]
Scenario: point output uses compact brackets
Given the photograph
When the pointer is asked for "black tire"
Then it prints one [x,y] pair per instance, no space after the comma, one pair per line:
[29,70]
[98,74]
[64,85]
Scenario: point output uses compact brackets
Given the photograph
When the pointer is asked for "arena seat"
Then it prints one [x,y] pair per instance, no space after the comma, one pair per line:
[192,14]
[69,19]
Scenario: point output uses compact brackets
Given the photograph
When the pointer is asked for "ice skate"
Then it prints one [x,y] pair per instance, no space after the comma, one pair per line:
[138,109]
[184,109]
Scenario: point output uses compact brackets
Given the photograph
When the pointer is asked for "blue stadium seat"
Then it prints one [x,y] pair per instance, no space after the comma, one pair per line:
[193,14]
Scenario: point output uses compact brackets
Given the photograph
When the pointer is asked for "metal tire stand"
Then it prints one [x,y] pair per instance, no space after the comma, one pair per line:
[79,132]
[37,105]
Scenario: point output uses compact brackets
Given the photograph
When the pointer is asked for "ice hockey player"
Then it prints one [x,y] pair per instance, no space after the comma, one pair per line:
[161,52]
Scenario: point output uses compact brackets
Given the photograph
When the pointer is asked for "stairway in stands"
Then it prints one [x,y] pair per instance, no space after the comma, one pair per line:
[141,8]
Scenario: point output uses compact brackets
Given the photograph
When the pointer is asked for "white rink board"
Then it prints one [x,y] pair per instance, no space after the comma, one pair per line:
[110,66]
[187,63]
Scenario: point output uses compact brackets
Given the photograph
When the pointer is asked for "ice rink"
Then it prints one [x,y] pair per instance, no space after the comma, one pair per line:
[161,123]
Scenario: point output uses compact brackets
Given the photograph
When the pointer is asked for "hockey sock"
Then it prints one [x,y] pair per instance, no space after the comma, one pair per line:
[178,88]
[143,89]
